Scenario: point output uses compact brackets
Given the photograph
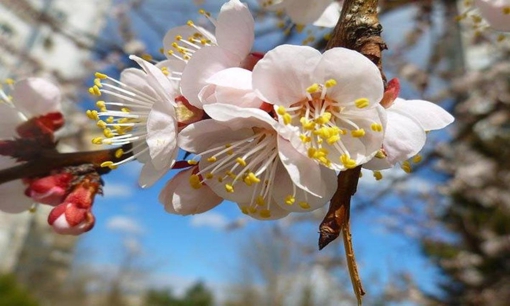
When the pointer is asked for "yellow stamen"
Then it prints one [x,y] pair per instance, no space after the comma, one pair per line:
[378,175]
[361,103]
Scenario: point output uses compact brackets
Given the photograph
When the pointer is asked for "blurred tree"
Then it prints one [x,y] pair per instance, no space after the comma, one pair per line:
[11,293]
[196,295]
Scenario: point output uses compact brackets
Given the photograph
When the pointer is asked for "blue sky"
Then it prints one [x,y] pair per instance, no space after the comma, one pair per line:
[181,249]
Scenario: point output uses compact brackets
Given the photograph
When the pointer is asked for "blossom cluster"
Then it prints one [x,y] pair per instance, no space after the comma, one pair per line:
[267,131]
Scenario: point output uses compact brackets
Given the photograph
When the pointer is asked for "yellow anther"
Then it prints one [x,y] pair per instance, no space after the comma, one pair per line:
[178,37]
[280,110]
[313,88]
[347,161]
[97,140]
[125,110]
[287,119]
[209,176]
[358,133]
[406,166]
[147,57]
[220,179]
[107,164]
[304,205]
[418,158]
[265,213]
[324,118]
[506,10]
[501,37]
[244,209]
[378,175]
[241,161]
[330,83]
[94,90]
[307,125]
[289,200]
[92,114]
[361,103]
[300,27]
[230,173]
[100,75]
[201,12]
[211,159]
[108,133]
[194,181]
[229,188]
[380,154]
[260,201]
[192,162]
[119,153]
[161,50]
[97,82]
[170,52]
[101,124]
[305,138]
[311,152]
[252,209]
[253,178]
[376,127]
[333,139]
[9,81]
[110,119]
[190,23]
[100,104]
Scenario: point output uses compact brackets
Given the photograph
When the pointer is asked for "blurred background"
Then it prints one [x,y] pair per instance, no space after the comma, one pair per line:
[437,236]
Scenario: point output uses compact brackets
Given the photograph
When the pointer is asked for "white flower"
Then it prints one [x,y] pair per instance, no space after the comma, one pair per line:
[230,47]
[323,13]
[142,112]
[408,121]
[496,13]
[330,101]
[28,98]
[245,160]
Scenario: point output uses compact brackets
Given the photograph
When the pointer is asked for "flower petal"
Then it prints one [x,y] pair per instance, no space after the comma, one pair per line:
[204,63]
[150,175]
[179,198]
[162,135]
[306,12]
[330,16]
[283,74]
[11,118]
[235,28]
[429,115]
[356,76]
[36,96]
[240,117]
[493,12]
[305,172]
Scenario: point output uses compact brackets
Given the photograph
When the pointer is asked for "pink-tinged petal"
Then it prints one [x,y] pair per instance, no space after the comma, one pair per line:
[404,137]
[275,210]
[305,172]
[10,120]
[172,65]
[204,63]
[302,200]
[306,12]
[13,199]
[330,16]
[235,77]
[429,115]
[240,117]
[150,175]
[493,12]
[356,76]
[200,136]
[282,76]
[180,198]
[158,81]
[162,135]
[235,28]
[377,164]
[184,32]
[36,96]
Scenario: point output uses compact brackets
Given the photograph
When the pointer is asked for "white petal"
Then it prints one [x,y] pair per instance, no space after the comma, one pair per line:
[205,134]
[305,11]
[377,164]
[404,137]
[283,74]
[235,77]
[150,175]
[429,115]
[492,12]
[180,198]
[235,28]
[162,134]
[330,16]
[356,76]
[9,121]
[36,96]
[204,63]
[240,117]
[305,172]
[285,188]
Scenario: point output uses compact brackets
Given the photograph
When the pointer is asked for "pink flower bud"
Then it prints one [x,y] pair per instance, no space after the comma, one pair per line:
[49,190]
[391,92]
[67,219]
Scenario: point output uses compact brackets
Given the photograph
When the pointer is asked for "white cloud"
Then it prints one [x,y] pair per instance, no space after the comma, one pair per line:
[116,190]
[125,224]
[210,219]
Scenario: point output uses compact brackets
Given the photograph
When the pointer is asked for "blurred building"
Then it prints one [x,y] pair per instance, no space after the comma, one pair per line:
[51,38]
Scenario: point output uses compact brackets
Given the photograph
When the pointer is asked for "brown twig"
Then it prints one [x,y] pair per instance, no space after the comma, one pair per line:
[358,29]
